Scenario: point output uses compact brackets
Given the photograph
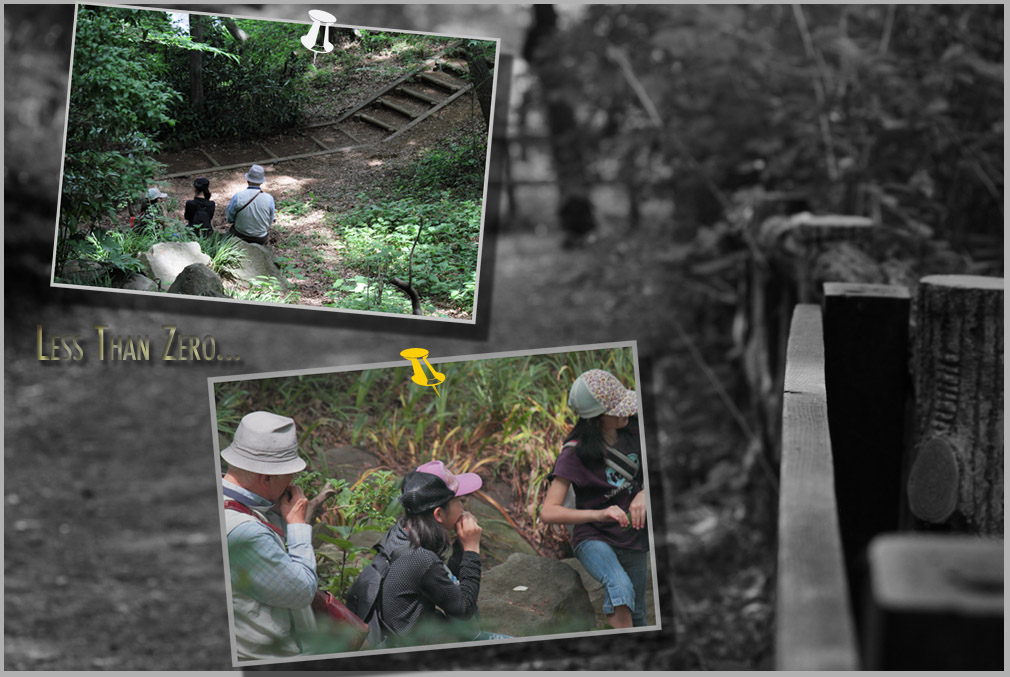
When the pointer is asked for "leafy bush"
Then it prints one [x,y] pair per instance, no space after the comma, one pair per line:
[369,505]
[106,246]
[117,106]
[455,164]
[257,92]
[378,240]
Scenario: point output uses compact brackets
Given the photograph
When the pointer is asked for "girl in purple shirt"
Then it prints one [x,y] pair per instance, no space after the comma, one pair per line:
[601,461]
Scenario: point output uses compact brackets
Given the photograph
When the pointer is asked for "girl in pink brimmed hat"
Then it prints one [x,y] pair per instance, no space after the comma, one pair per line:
[408,593]
[601,461]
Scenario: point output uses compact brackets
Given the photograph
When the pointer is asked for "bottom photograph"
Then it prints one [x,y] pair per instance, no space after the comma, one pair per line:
[434,502]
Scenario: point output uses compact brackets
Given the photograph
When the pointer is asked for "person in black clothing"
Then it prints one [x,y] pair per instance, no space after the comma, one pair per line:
[200,210]
[409,595]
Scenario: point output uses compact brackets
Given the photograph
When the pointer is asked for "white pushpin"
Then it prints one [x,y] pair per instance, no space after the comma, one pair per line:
[319,19]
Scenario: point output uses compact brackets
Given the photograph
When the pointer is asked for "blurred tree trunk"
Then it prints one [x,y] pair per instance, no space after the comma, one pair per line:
[483,81]
[236,32]
[575,210]
[196,64]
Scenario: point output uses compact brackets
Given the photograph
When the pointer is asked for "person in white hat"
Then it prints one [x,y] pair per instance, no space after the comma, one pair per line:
[270,556]
[601,460]
[250,213]
[153,207]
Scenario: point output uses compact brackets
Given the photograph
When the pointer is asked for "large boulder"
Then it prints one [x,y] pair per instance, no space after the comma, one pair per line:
[196,279]
[165,260]
[528,596]
[257,261]
[348,463]
[498,538]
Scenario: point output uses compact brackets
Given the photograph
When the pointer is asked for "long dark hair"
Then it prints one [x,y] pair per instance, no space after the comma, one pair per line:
[589,435]
[425,531]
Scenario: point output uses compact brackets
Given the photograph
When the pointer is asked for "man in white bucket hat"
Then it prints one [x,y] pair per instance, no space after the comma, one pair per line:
[250,213]
[270,556]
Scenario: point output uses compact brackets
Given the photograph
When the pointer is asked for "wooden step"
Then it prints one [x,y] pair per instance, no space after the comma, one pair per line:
[438,82]
[376,122]
[318,142]
[394,107]
[350,136]
[420,96]
[209,157]
[268,151]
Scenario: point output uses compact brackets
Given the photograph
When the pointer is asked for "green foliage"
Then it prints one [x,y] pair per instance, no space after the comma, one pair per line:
[224,252]
[109,246]
[378,238]
[455,164]
[257,91]
[411,43]
[117,107]
[369,505]
[295,206]
[266,289]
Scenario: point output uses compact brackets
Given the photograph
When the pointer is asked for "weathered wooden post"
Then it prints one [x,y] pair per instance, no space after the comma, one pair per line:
[795,255]
[866,376]
[937,603]
[956,477]
[814,626]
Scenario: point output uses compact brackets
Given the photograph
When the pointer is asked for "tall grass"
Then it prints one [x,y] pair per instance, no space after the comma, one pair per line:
[503,418]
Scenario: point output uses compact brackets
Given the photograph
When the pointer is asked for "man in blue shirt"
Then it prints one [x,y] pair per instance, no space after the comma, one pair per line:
[251,211]
[270,557]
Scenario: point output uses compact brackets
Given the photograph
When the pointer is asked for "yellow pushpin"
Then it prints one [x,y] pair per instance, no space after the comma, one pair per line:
[416,356]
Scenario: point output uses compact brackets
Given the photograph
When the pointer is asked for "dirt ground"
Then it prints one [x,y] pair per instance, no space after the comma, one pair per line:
[330,184]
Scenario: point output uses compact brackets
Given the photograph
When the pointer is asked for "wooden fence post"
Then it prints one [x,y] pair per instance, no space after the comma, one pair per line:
[937,603]
[814,627]
[956,476]
[866,376]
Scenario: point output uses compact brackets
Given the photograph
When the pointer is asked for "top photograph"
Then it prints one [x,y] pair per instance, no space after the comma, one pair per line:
[307,164]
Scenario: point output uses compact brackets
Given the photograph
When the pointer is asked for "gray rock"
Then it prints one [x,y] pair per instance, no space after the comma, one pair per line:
[498,539]
[138,282]
[197,279]
[165,260]
[257,261]
[528,596]
[84,272]
[348,463]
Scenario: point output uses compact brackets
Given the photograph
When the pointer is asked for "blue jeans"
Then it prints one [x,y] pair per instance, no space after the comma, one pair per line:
[623,574]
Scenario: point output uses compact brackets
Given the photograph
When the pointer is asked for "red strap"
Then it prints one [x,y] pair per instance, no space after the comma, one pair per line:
[229,504]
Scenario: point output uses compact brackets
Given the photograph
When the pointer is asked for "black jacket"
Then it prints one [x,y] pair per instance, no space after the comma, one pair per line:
[415,593]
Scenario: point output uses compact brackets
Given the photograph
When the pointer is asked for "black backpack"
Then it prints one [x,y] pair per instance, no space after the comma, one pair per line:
[202,215]
[364,594]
